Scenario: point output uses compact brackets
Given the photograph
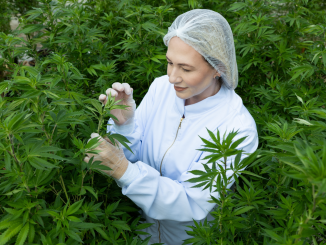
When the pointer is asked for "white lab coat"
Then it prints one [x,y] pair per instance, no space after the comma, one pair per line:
[168,201]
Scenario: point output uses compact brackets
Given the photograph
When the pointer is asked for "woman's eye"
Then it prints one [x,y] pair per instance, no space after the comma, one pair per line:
[170,63]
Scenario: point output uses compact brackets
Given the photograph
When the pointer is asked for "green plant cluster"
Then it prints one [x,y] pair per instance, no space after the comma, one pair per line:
[5,17]
[11,8]
[49,195]
[280,198]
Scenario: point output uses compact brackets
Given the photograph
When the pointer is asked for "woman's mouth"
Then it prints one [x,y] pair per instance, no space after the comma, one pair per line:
[179,89]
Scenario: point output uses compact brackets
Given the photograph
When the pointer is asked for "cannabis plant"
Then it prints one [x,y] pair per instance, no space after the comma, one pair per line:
[49,195]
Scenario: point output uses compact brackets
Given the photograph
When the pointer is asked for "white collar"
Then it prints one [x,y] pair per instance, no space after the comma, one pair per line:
[210,103]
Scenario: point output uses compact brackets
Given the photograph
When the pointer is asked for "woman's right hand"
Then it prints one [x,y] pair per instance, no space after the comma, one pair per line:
[121,92]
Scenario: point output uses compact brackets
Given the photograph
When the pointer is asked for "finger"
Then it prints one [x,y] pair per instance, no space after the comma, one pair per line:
[96,135]
[127,88]
[118,86]
[112,92]
[108,140]
[102,98]
[117,143]
[131,93]
[93,135]
[101,140]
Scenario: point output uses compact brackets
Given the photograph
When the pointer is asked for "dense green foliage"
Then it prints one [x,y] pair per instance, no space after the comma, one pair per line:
[11,8]
[50,196]
[4,17]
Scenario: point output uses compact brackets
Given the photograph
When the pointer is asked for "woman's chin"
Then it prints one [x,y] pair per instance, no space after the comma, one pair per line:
[182,95]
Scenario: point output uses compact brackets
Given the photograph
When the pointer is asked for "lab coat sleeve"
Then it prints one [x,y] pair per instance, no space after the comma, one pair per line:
[162,198]
[134,131]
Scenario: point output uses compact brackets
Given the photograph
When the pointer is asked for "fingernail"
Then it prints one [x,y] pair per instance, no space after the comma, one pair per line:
[94,135]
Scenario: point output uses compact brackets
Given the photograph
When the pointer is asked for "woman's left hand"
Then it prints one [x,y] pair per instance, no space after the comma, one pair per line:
[110,156]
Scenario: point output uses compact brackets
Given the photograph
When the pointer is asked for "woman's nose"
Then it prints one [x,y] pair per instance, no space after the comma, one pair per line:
[174,76]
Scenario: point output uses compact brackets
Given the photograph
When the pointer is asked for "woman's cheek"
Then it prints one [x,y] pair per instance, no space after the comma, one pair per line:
[192,80]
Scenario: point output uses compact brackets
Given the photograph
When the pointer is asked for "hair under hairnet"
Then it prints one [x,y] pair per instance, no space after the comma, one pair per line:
[209,34]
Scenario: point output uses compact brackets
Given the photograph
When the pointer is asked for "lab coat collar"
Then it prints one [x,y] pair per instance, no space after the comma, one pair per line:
[212,102]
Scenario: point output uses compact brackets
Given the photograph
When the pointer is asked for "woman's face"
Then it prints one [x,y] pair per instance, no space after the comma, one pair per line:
[193,78]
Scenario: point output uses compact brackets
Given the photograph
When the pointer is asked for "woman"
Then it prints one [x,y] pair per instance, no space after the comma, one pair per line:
[196,94]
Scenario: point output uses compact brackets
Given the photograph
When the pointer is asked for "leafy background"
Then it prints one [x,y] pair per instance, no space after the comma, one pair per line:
[49,108]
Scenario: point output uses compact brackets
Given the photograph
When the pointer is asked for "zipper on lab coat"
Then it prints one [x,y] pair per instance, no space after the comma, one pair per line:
[170,145]
[159,232]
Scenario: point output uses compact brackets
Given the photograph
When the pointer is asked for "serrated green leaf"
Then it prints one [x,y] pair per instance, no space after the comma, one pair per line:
[22,235]
[120,224]
[91,190]
[242,210]
[73,235]
[103,234]
[74,207]
[10,232]
[74,219]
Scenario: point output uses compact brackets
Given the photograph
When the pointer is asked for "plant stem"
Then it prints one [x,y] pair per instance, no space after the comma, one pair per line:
[50,141]
[64,188]
[225,158]
[92,177]
[13,151]
[83,176]
[99,124]
[312,211]
[27,188]
[43,129]
[55,192]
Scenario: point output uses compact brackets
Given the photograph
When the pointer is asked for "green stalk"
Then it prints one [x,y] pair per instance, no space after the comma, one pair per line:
[64,188]
[309,216]
[99,124]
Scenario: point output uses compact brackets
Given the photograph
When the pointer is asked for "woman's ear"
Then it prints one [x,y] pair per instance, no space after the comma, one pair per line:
[217,75]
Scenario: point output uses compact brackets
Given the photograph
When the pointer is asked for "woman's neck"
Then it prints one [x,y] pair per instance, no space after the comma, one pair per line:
[205,94]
